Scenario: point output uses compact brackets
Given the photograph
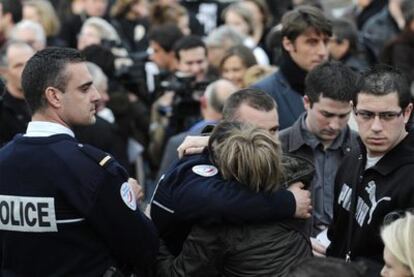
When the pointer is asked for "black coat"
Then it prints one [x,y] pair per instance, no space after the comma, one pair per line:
[14,116]
[376,191]
[243,249]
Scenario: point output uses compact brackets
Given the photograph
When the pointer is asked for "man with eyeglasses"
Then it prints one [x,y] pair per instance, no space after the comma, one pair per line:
[377,179]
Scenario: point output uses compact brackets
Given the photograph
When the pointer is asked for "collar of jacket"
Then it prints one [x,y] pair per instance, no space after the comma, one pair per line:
[400,155]
[296,140]
[294,75]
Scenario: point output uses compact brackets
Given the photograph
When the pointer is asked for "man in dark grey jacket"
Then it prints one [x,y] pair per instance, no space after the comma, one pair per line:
[322,134]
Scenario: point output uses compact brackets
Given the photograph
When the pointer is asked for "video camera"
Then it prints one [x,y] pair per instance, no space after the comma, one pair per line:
[185,108]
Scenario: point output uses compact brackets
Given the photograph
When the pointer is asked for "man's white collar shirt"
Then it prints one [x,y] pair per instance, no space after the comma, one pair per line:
[46,129]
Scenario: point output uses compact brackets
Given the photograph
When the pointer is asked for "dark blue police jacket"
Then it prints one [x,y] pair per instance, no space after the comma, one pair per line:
[66,210]
[193,191]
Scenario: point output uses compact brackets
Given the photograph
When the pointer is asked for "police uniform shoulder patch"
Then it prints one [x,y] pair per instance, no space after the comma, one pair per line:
[205,170]
[127,196]
[99,156]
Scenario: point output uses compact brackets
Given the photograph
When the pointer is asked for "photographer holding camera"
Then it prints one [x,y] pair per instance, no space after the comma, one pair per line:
[178,106]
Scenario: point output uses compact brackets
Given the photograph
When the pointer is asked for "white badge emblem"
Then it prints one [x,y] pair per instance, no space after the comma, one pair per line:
[128,197]
[205,170]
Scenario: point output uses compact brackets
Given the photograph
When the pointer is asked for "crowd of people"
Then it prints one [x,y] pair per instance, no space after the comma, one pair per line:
[206,138]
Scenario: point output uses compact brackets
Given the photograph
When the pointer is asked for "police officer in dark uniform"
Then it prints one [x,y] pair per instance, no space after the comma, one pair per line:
[67,209]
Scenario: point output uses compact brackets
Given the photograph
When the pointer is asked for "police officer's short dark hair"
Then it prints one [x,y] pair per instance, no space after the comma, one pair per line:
[382,80]
[297,21]
[47,69]
[189,42]
[254,98]
[165,35]
[14,7]
[332,80]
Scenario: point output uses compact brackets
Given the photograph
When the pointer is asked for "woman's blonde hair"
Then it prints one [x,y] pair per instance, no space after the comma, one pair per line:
[398,237]
[249,154]
[47,16]
[257,72]
[243,12]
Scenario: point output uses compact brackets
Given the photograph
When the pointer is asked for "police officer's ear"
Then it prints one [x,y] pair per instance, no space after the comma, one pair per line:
[53,97]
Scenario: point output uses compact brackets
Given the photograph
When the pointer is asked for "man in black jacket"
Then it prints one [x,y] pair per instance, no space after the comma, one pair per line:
[14,112]
[377,180]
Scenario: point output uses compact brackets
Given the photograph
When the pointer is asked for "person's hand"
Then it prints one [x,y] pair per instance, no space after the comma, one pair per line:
[318,249]
[192,145]
[303,201]
[137,189]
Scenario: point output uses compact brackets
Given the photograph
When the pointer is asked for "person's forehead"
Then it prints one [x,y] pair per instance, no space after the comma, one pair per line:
[324,101]
[313,33]
[233,60]
[27,33]
[260,118]
[89,29]
[78,71]
[377,102]
[19,52]
[192,53]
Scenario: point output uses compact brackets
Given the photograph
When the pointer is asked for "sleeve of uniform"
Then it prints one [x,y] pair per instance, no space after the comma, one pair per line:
[201,255]
[214,200]
[115,215]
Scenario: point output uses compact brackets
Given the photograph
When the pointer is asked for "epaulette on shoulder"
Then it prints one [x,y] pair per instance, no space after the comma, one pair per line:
[102,158]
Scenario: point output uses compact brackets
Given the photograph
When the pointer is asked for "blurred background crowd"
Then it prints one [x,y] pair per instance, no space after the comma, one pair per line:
[152,60]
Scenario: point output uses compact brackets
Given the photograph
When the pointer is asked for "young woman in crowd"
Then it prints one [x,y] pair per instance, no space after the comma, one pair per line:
[235,62]
[241,19]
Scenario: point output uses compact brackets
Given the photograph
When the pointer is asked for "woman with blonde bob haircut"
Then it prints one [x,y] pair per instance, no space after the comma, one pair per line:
[248,154]
[252,157]
[398,238]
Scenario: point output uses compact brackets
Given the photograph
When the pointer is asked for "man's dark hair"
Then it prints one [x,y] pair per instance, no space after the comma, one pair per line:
[326,267]
[101,56]
[188,42]
[382,80]
[165,35]
[302,18]
[254,98]
[332,80]
[344,29]
[47,68]
[14,7]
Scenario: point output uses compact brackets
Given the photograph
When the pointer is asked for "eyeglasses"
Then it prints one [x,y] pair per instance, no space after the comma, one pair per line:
[384,116]
[394,215]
